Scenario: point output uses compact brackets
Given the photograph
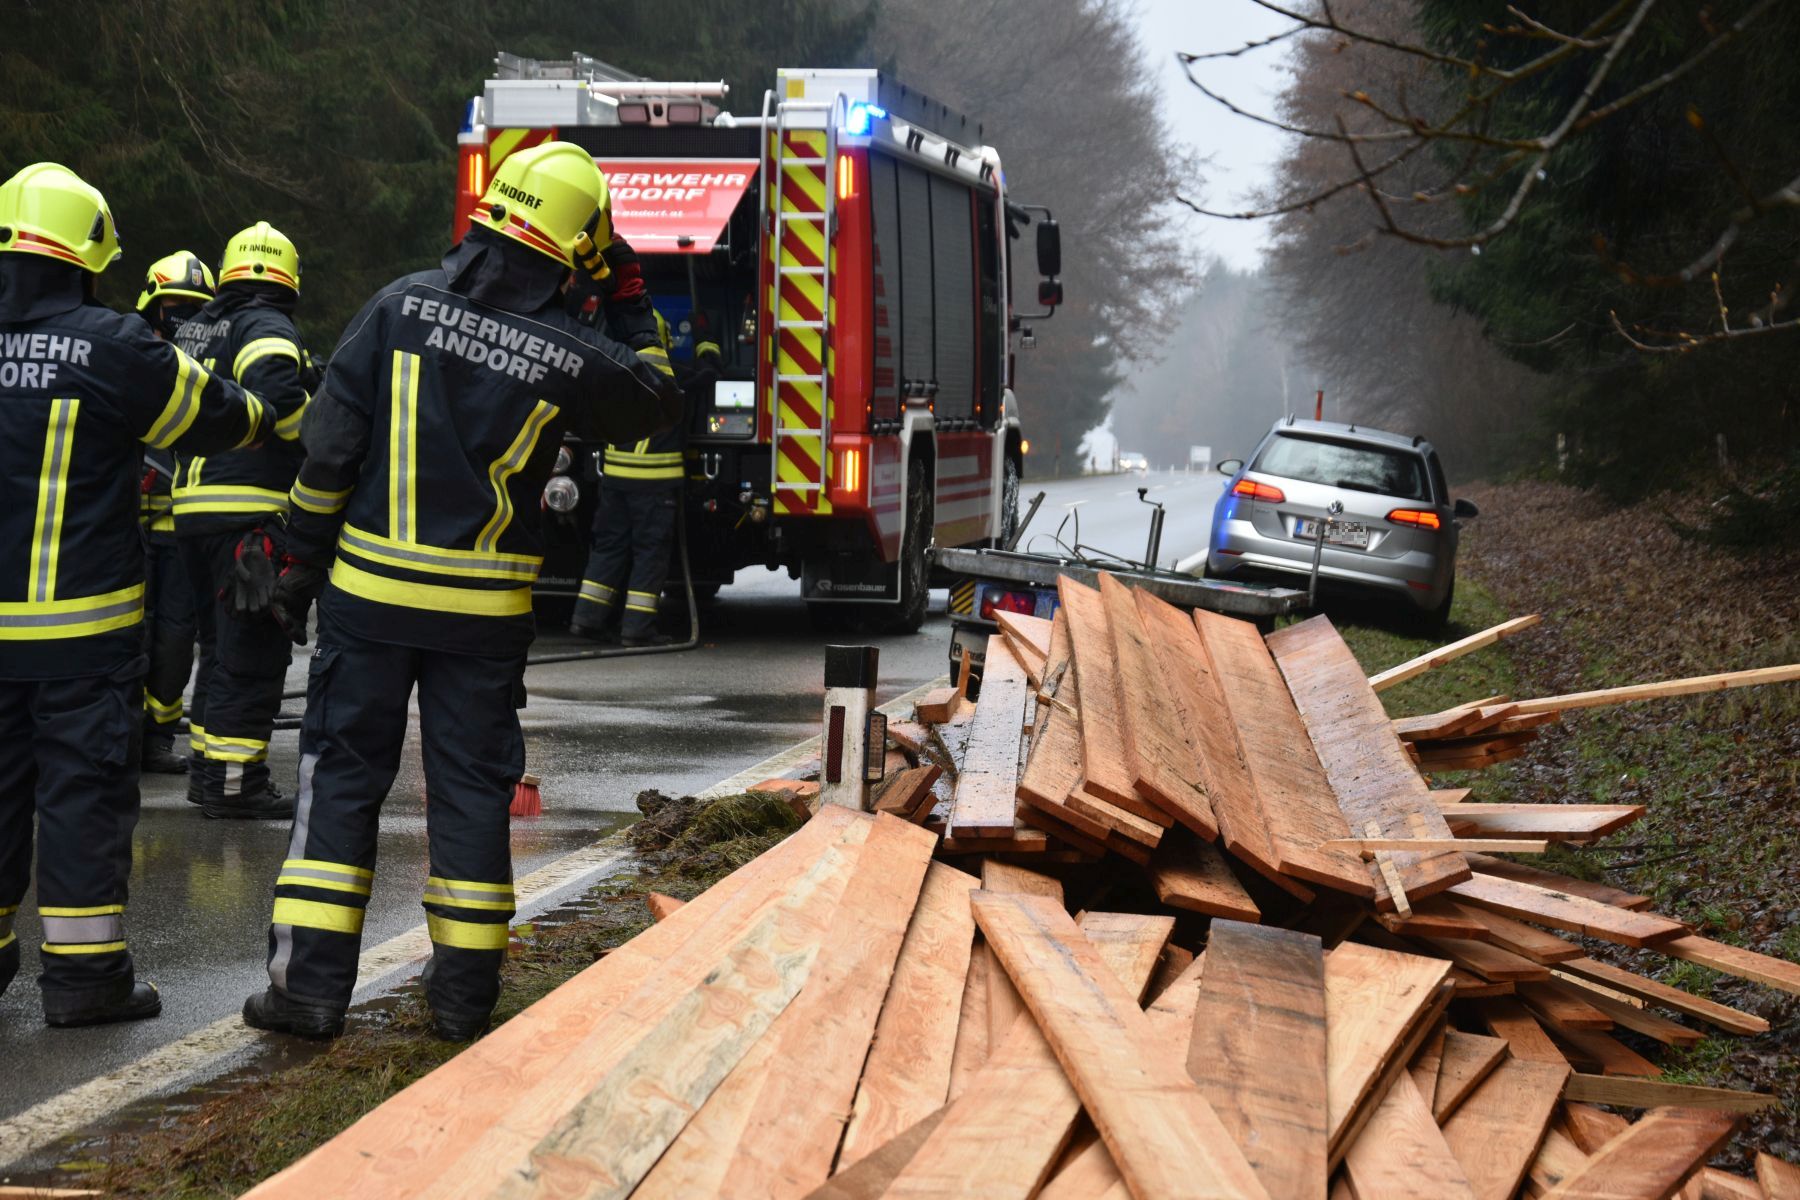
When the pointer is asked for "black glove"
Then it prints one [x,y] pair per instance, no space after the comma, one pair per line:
[252,573]
[292,597]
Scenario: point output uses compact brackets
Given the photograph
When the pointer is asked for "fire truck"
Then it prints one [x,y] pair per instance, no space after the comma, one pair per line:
[849,250]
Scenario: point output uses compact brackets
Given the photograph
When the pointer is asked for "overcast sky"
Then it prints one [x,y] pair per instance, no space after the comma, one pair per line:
[1241,151]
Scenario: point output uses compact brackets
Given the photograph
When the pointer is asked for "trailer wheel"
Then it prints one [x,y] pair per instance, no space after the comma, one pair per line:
[915,572]
[1009,502]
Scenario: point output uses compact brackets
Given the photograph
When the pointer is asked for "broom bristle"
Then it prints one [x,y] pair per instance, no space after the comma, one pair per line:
[527,800]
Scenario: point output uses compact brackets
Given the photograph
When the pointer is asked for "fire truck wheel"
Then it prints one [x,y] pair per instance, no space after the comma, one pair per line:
[1009,502]
[915,572]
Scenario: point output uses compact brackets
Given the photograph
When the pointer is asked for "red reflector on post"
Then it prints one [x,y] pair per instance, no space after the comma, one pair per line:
[1258,491]
[1421,518]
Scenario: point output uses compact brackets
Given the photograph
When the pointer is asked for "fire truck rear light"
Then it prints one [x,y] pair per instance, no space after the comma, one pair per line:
[996,601]
[852,476]
[1422,518]
[846,177]
[1258,491]
[477,163]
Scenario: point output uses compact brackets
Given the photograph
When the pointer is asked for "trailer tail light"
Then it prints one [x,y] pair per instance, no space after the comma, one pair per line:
[1418,517]
[994,600]
[846,176]
[1258,491]
[852,473]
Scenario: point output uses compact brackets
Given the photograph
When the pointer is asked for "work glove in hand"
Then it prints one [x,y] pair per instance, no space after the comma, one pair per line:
[295,589]
[252,573]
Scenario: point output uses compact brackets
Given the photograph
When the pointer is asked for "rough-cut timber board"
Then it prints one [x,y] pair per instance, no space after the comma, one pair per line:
[444,1129]
[1004,1005]
[1516,937]
[1436,917]
[1777,973]
[1715,1184]
[1649,1160]
[1452,722]
[1004,1134]
[1600,893]
[1193,684]
[1258,1052]
[1496,1132]
[1033,631]
[1020,841]
[1161,1132]
[1097,671]
[988,778]
[1558,822]
[793,1135]
[1655,992]
[1364,764]
[1508,1020]
[661,906]
[604,1146]
[971,1049]
[1779,1180]
[1657,1028]
[1054,765]
[1489,962]
[1163,764]
[910,797]
[1692,686]
[1468,1058]
[1400,673]
[1191,874]
[870,1178]
[1378,1005]
[907,1076]
[1629,1092]
[1297,805]
[1401,1153]
[1557,1159]
[1576,914]
[1561,1010]
[1066,825]
[1587,1048]
[1424,1065]
[1116,820]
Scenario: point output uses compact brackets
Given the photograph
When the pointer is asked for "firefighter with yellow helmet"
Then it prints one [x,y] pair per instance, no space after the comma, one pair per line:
[415,523]
[81,387]
[175,288]
[225,507]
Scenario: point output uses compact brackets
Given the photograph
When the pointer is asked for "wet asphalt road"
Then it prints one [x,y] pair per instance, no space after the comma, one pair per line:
[597,732]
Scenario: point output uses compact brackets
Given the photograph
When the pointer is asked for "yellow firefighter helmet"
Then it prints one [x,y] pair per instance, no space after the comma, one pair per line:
[260,254]
[48,209]
[180,276]
[553,198]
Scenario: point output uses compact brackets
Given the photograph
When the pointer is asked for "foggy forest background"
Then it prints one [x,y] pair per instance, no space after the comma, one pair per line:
[336,120]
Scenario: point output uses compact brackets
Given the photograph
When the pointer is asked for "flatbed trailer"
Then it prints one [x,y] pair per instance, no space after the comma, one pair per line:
[983,581]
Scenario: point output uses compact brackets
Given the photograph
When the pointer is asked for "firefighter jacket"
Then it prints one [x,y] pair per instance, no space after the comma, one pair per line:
[80,388]
[156,500]
[660,460]
[433,434]
[245,334]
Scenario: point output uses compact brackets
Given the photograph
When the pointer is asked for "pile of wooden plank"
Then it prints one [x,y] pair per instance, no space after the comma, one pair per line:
[1168,911]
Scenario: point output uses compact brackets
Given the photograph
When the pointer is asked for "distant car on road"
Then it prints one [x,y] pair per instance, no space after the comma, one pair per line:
[1395,534]
[1131,460]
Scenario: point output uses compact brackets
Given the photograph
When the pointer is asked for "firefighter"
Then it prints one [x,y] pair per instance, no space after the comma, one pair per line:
[174,289]
[224,506]
[81,387]
[427,449]
[634,523]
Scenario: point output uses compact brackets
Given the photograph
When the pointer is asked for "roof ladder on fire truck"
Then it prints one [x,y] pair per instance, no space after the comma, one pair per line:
[801,200]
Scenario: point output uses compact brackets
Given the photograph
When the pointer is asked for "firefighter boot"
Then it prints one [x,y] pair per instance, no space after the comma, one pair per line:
[159,756]
[450,1026]
[265,803]
[277,1012]
[69,1010]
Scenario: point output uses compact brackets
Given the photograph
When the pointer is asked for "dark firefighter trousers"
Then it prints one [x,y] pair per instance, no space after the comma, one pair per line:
[169,632]
[350,741]
[243,668]
[69,754]
[633,539]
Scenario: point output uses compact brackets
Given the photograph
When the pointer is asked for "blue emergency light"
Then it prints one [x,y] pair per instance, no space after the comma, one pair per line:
[861,117]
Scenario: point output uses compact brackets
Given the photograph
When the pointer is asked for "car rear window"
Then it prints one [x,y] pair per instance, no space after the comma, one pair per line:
[1360,467]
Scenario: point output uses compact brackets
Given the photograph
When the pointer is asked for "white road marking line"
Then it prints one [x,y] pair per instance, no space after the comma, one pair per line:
[205,1049]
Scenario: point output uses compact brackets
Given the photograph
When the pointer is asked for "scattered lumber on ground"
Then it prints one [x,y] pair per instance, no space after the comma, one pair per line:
[1170,909]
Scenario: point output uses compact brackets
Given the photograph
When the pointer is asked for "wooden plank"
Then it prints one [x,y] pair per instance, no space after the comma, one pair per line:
[1414,667]
[1589,1126]
[604,1146]
[972,1046]
[1691,686]
[1652,1026]
[1004,1005]
[1162,1134]
[1561,910]
[1598,892]
[909,796]
[988,776]
[1172,966]
[1162,762]
[1561,1009]
[1777,973]
[1298,806]
[1720,1185]
[1436,917]
[1424,1065]
[1779,1180]
[1191,874]
[1115,819]
[1516,937]
[1496,1132]
[798,1122]
[1559,1158]
[1368,846]
[1066,826]
[1055,765]
[554,1052]
[1378,1005]
[1557,822]
[1451,722]
[1258,1050]
[1656,992]
[1402,1154]
[1471,986]
[871,1176]
[1588,1048]
[1004,1134]
[662,907]
[1651,1159]
[1021,840]
[1508,1019]
[907,1076]
[1366,767]
[1035,632]
[1630,1092]
[1489,962]
[1468,1058]
[1097,671]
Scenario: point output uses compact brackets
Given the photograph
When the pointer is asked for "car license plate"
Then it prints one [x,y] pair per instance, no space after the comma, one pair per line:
[1337,533]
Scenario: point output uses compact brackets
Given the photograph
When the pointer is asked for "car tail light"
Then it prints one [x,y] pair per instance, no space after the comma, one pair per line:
[1258,491]
[996,601]
[1422,518]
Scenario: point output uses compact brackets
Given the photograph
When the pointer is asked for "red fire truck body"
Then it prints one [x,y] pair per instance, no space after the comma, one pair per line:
[848,251]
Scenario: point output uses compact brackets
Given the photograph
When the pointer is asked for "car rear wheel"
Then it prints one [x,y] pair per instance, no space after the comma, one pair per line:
[1436,620]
